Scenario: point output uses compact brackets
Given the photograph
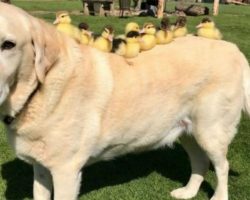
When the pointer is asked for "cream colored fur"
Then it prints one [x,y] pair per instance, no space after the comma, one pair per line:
[74,105]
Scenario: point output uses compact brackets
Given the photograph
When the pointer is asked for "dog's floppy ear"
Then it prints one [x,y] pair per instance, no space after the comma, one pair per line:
[46,49]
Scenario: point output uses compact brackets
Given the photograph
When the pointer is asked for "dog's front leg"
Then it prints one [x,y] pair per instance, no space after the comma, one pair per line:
[66,181]
[42,183]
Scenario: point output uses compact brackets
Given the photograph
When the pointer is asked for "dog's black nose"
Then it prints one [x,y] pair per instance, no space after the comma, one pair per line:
[8,120]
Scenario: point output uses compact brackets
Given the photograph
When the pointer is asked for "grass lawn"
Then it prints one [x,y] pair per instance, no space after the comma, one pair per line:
[151,175]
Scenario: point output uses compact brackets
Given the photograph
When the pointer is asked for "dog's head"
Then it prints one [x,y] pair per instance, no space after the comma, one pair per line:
[27,50]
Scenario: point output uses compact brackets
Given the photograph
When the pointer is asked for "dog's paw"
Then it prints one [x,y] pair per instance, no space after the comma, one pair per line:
[183,193]
[219,198]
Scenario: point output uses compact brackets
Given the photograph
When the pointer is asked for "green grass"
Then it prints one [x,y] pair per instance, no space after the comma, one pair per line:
[151,175]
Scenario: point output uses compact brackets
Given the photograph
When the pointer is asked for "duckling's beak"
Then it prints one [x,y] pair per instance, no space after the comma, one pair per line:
[56,21]
[110,38]
[142,31]
[199,25]
[89,33]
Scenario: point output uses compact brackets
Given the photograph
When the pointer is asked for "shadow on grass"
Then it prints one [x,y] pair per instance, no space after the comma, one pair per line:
[170,163]
[19,179]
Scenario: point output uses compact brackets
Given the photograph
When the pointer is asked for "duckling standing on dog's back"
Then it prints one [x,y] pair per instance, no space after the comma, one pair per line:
[85,33]
[104,41]
[180,29]
[133,44]
[208,29]
[119,46]
[148,39]
[63,24]
[132,26]
[164,35]
[129,47]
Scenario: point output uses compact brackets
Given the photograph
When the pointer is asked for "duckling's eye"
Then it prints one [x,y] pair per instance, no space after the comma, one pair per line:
[7,45]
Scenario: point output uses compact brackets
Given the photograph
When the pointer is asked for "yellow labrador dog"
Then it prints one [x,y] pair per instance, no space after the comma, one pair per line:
[67,105]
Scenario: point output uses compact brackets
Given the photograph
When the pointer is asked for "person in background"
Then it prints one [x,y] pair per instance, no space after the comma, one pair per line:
[151,8]
[137,4]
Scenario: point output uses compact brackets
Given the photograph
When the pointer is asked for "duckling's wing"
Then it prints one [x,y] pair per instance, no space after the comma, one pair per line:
[116,44]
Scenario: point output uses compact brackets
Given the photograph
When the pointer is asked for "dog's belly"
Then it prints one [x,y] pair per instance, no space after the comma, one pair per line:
[141,121]
[136,140]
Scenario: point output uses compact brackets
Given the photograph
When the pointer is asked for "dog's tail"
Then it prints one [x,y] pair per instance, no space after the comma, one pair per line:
[246,86]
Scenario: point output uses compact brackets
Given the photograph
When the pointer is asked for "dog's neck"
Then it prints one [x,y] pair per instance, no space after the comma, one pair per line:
[19,97]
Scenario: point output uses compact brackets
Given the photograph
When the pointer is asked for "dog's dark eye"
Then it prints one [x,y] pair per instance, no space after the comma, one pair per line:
[7,45]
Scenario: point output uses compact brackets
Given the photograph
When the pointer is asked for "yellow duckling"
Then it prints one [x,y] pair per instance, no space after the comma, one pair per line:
[130,47]
[85,33]
[148,39]
[119,46]
[164,35]
[208,29]
[63,24]
[180,28]
[133,44]
[132,26]
[104,41]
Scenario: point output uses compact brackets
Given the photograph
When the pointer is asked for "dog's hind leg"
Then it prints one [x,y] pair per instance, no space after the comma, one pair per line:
[214,125]
[42,183]
[216,149]
[199,164]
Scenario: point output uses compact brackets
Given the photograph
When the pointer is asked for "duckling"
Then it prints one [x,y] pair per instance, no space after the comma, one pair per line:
[180,28]
[164,35]
[208,29]
[148,39]
[132,26]
[104,41]
[119,46]
[133,44]
[85,33]
[63,24]
[130,47]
